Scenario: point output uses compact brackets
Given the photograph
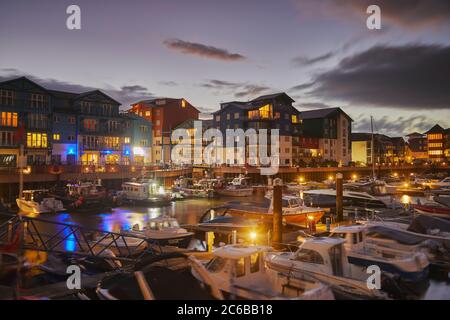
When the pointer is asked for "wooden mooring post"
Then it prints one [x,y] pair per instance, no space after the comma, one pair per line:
[277,216]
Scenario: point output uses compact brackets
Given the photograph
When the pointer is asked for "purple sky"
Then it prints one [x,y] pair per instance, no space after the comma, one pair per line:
[213,51]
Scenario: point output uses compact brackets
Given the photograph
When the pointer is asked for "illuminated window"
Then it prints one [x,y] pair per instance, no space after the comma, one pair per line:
[217,118]
[147,113]
[435,136]
[9,119]
[435,152]
[435,145]
[228,116]
[6,97]
[36,140]
[236,115]
[265,112]
[294,118]
[90,124]
[183,103]
[71,120]
[56,137]
[127,140]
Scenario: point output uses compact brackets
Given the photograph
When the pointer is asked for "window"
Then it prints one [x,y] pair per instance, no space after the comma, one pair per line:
[183,103]
[236,115]
[435,152]
[56,118]
[9,119]
[38,101]
[71,137]
[216,264]
[294,118]
[36,140]
[228,116]
[56,137]
[144,129]
[86,107]
[113,125]
[309,256]
[158,122]
[37,121]
[6,97]
[6,138]
[277,115]
[240,267]
[254,262]
[144,143]
[90,124]
[286,116]
[71,120]
[127,140]
[265,112]
[147,113]
[217,118]
[435,145]
[435,136]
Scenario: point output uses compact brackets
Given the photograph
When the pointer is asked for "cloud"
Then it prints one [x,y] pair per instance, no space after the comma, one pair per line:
[125,95]
[168,83]
[394,126]
[306,61]
[313,105]
[251,90]
[413,76]
[238,89]
[410,14]
[202,50]
[302,86]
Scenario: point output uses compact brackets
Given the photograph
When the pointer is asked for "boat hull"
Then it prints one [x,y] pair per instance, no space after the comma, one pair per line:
[431,210]
[299,218]
[235,193]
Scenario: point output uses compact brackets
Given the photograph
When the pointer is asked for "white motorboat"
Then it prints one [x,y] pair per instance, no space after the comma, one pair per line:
[239,272]
[164,231]
[35,202]
[238,187]
[443,184]
[325,259]
[144,193]
[408,266]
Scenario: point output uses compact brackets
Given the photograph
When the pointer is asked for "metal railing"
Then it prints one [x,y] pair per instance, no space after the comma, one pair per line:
[52,236]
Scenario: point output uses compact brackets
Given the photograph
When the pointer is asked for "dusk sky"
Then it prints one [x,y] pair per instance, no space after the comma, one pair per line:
[319,52]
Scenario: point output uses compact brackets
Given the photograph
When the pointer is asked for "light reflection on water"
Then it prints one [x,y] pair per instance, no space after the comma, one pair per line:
[187,212]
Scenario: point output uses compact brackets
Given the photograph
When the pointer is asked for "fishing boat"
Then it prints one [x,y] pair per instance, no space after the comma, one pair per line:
[163,231]
[35,202]
[239,272]
[325,260]
[238,187]
[408,266]
[353,198]
[187,188]
[144,193]
[293,210]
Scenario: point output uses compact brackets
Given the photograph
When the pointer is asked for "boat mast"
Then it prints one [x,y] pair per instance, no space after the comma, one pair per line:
[371,148]
[21,171]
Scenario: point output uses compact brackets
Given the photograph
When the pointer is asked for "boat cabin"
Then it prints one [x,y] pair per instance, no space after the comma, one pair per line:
[237,261]
[354,236]
[83,189]
[35,195]
[141,190]
[161,223]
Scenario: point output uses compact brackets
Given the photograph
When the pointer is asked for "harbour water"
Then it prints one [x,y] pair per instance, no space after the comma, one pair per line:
[187,212]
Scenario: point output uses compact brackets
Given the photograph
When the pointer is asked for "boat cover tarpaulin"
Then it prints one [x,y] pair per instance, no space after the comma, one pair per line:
[401,237]
[423,223]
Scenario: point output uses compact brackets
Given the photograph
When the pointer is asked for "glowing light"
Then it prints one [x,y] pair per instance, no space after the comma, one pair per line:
[310,218]
[27,170]
[406,185]
[253,235]
[395,174]
[161,190]
[330,178]
[138,151]
[405,199]
[354,177]
[302,179]
[71,151]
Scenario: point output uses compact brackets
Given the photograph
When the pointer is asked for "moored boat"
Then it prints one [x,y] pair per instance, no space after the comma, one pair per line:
[163,231]
[144,193]
[239,272]
[35,202]
[238,187]
[293,210]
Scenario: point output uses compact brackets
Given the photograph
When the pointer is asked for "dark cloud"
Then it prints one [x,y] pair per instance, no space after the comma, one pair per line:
[238,89]
[303,86]
[125,95]
[410,14]
[251,90]
[410,77]
[394,126]
[306,61]
[312,105]
[202,50]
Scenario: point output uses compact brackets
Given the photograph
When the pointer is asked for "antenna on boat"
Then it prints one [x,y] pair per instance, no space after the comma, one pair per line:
[371,148]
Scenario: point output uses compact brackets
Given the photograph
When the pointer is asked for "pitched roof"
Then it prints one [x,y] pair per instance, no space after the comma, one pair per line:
[321,113]
[273,96]
[436,129]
